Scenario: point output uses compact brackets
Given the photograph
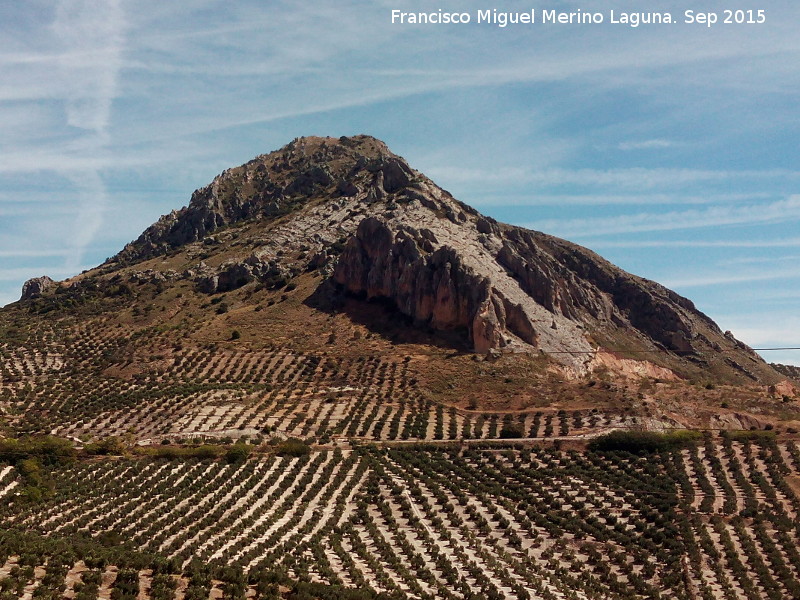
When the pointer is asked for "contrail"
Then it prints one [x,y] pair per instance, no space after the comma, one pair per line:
[93,35]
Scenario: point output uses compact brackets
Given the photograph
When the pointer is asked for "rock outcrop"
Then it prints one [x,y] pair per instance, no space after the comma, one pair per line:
[433,287]
[580,285]
[37,287]
[790,371]
[235,274]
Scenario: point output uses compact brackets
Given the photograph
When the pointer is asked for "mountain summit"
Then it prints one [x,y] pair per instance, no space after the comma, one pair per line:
[377,229]
[327,370]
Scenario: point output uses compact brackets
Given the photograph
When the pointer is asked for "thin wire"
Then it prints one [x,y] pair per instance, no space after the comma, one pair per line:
[788,348]
[654,351]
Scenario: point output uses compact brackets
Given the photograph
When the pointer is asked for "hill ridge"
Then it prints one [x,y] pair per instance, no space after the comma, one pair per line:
[374,228]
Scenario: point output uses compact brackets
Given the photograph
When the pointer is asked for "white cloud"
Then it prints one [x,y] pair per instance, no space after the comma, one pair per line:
[780,211]
[734,243]
[768,331]
[737,278]
[655,144]
[32,253]
[93,34]
[25,273]
[312,58]
[535,199]
[34,209]
[633,178]
[91,209]
[64,78]
[756,260]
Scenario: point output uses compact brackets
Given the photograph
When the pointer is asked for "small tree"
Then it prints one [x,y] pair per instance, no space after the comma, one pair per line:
[237,453]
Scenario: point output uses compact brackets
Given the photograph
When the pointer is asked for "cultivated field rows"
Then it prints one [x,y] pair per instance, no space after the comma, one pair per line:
[89,384]
[19,363]
[717,521]
[8,480]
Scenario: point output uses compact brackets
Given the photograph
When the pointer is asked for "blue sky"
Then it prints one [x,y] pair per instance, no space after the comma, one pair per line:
[671,150]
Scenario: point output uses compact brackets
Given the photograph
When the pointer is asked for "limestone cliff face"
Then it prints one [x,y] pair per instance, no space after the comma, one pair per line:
[434,287]
[578,284]
[369,223]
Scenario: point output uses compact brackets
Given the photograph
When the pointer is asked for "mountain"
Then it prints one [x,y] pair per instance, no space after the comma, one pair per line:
[381,230]
[327,378]
[336,252]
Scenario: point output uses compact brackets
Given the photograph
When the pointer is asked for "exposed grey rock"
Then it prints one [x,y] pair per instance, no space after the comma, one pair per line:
[396,175]
[790,371]
[153,276]
[37,287]
[235,274]
[309,180]
[737,421]
[434,288]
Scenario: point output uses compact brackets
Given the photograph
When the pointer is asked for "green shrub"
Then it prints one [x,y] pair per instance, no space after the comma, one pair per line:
[237,453]
[168,453]
[511,431]
[108,446]
[206,451]
[644,441]
[753,436]
[293,447]
[47,449]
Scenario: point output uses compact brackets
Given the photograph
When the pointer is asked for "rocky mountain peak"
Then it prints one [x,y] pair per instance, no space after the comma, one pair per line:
[276,184]
[376,229]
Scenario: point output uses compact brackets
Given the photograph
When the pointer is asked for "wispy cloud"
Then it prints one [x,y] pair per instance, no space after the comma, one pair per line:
[26,272]
[634,178]
[92,35]
[733,243]
[63,78]
[756,260]
[92,206]
[32,253]
[732,278]
[775,212]
[603,200]
[763,330]
[355,57]
[24,210]
[655,144]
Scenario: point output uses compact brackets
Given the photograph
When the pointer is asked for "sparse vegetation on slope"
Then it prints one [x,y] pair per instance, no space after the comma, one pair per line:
[274,393]
[492,521]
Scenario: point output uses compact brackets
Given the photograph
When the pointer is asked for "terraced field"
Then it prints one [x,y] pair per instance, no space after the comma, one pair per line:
[84,384]
[394,493]
[715,521]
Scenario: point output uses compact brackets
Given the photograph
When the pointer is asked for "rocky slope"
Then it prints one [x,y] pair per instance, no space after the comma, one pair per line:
[790,371]
[377,229]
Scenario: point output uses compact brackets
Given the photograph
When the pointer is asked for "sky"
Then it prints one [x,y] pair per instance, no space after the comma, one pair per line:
[670,149]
